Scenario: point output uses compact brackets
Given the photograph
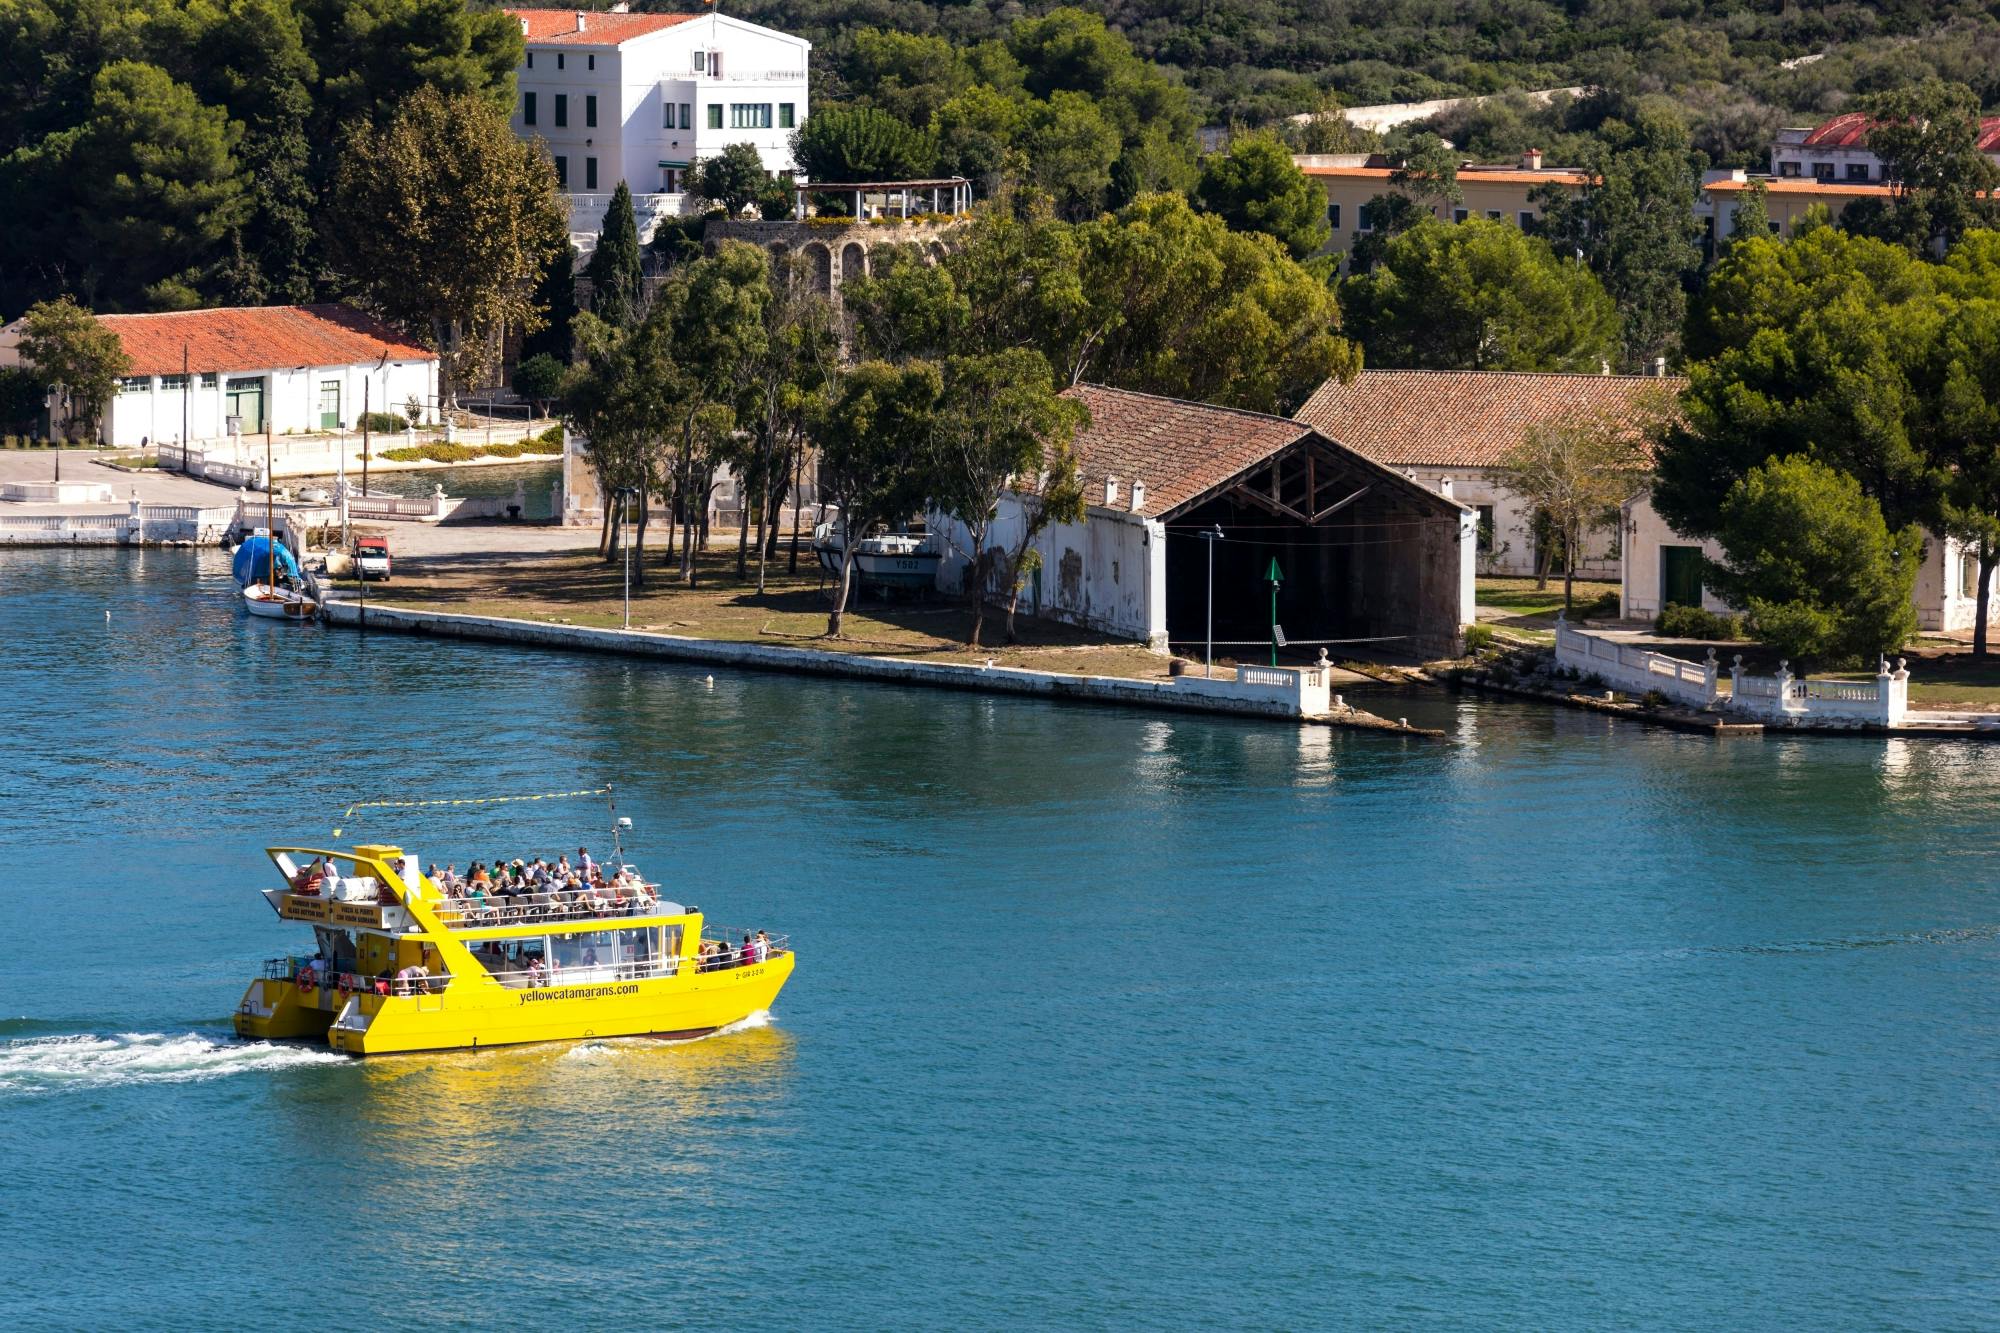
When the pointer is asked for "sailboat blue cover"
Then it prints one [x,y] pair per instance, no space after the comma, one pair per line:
[253,561]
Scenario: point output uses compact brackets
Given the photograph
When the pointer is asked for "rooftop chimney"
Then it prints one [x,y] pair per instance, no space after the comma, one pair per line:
[1660,366]
[1110,491]
[524,27]
[1531,160]
[580,16]
[1603,367]
[1138,495]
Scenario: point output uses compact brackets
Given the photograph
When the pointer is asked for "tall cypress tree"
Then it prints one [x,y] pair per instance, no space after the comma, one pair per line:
[555,294]
[614,266]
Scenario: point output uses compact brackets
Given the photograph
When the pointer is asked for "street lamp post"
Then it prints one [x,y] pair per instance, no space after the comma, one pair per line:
[1212,536]
[625,494]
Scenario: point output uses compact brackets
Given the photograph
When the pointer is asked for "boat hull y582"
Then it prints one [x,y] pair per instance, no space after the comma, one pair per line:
[403,966]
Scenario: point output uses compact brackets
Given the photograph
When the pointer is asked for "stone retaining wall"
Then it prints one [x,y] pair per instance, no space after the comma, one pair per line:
[1287,694]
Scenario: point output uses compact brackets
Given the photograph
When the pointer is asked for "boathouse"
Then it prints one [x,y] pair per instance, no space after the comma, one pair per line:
[1362,551]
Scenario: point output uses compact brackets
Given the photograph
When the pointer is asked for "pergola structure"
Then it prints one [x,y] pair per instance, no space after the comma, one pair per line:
[948,195]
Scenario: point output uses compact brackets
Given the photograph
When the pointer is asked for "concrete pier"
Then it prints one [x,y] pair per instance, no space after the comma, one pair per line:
[1287,694]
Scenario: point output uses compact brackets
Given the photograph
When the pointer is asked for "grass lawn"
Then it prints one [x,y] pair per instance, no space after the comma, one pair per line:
[1948,680]
[1517,601]
[576,587]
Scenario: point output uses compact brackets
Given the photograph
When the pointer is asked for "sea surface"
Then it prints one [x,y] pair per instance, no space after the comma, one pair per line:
[1102,1018]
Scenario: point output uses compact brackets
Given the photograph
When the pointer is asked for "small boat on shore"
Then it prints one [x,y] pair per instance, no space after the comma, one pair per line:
[892,561]
[278,602]
[404,962]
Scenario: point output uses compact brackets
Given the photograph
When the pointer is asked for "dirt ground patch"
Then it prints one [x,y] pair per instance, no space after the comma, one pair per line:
[574,586]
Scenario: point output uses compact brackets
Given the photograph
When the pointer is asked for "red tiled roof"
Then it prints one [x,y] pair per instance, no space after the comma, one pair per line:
[1178,449]
[1844,131]
[561,27]
[1801,185]
[258,338]
[1850,130]
[1464,418]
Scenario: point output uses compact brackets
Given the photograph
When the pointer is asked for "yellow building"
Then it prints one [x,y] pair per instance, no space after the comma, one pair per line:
[1502,193]
[1786,199]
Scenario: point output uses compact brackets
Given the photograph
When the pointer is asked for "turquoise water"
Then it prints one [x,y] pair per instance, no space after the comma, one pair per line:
[1102,1018]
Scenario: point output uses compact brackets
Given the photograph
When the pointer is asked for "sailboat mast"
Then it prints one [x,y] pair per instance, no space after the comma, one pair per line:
[270,524]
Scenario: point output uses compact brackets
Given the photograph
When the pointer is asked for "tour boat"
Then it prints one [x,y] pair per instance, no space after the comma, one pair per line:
[903,561]
[400,965]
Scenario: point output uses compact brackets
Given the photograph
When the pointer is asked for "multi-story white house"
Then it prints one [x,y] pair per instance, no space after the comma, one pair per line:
[642,97]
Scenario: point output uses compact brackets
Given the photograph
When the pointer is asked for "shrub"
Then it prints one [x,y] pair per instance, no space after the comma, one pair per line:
[384,421]
[1605,607]
[1654,699]
[1478,638]
[1692,622]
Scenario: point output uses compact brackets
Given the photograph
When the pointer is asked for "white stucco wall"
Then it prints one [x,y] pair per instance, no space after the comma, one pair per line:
[1513,551]
[1947,591]
[1107,573]
[291,400]
[1639,587]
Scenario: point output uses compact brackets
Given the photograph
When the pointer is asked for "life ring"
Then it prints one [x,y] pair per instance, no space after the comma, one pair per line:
[346,986]
[305,979]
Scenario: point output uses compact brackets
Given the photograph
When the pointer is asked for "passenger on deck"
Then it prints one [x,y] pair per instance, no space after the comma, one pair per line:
[536,976]
[477,875]
[763,946]
[583,861]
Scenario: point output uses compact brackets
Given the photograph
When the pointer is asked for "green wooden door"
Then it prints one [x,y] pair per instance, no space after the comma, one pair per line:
[329,404]
[1680,576]
[246,400]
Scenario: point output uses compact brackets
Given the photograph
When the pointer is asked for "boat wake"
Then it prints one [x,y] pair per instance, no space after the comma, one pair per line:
[586,1052]
[92,1060]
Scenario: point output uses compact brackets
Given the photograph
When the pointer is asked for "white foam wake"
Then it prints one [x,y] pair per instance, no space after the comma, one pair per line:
[97,1060]
[760,1019]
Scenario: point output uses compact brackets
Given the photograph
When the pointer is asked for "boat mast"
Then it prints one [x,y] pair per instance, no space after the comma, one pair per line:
[270,525]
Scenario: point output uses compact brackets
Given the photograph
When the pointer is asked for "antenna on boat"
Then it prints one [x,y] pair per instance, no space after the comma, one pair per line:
[619,825]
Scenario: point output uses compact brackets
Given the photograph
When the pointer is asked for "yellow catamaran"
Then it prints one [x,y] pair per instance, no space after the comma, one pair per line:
[404,964]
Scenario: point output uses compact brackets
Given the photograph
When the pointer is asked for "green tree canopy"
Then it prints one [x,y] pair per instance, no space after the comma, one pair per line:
[1927,135]
[733,178]
[1478,295]
[1634,225]
[860,144]
[447,220]
[137,200]
[73,352]
[614,269]
[876,433]
[1809,556]
[1254,186]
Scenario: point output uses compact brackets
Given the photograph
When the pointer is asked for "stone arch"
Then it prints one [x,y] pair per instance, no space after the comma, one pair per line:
[819,262]
[853,261]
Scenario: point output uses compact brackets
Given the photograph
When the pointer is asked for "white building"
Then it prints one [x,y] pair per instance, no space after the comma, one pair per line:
[1458,426]
[1838,150]
[1662,566]
[289,369]
[642,97]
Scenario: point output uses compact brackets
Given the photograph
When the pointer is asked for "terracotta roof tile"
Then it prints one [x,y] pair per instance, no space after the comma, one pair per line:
[1463,418]
[1178,449]
[558,27]
[1466,176]
[1850,130]
[1800,185]
[257,338]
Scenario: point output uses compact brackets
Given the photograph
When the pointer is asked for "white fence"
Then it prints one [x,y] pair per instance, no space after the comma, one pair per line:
[199,463]
[140,523]
[1634,669]
[1783,699]
[1292,691]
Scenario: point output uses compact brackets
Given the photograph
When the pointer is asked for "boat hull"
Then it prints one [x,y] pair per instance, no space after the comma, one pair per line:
[280,604]
[471,1013]
[904,573]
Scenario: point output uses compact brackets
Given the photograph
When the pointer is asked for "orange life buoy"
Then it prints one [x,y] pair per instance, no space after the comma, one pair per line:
[305,979]
[346,986]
